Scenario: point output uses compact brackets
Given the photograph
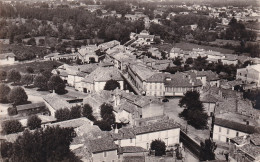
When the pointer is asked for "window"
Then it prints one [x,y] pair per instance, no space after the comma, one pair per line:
[155,87]
[227,131]
[219,137]
[219,129]
[237,134]
[105,154]
[131,140]
[227,140]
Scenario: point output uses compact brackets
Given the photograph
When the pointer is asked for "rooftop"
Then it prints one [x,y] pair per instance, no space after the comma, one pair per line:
[30,106]
[56,102]
[235,125]
[101,144]
[132,149]
[74,123]
[157,126]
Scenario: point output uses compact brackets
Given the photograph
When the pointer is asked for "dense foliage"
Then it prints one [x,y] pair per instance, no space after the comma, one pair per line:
[207,150]
[159,147]
[34,122]
[17,96]
[111,85]
[12,126]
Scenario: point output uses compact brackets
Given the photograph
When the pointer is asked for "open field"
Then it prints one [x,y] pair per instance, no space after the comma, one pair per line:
[37,65]
[189,46]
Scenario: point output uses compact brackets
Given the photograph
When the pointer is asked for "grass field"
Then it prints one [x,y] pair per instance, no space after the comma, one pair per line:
[189,46]
[46,65]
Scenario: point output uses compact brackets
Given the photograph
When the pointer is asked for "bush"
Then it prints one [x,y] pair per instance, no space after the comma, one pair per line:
[62,114]
[13,76]
[12,111]
[12,126]
[159,147]
[3,75]
[57,84]
[111,85]
[29,69]
[40,82]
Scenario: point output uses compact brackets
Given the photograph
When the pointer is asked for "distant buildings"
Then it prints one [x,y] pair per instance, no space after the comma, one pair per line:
[144,38]
[7,58]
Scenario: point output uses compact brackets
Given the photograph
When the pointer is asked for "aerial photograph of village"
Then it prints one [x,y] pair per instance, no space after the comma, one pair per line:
[129,80]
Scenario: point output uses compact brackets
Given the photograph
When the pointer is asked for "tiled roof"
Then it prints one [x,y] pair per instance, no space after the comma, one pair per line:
[74,123]
[103,74]
[142,71]
[251,150]
[132,149]
[234,125]
[56,102]
[209,99]
[5,55]
[101,144]
[255,139]
[210,75]
[157,126]
[182,80]
[123,133]
[157,78]
[30,106]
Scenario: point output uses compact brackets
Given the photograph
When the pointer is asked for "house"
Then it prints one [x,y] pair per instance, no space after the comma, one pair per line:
[7,58]
[97,79]
[209,103]
[33,108]
[208,78]
[179,83]
[54,102]
[132,151]
[59,56]
[245,148]
[144,38]
[230,60]
[102,149]
[155,52]
[142,136]
[108,45]
[88,53]
[175,52]
[72,123]
[225,129]
[250,74]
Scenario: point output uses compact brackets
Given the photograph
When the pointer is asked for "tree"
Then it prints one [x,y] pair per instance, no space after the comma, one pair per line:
[13,76]
[12,111]
[107,113]
[62,114]
[189,61]
[57,84]
[27,79]
[17,96]
[34,122]
[40,81]
[103,125]
[4,91]
[50,144]
[193,110]
[6,149]
[87,112]
[12,126]
[159,147]
[207,150]
[157,40]
[177,61]
[29,69]
[75,112]
[111,85]
[41,42]
[3,75]
[31,41]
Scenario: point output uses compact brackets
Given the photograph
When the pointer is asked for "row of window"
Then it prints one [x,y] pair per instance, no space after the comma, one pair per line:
[219,130]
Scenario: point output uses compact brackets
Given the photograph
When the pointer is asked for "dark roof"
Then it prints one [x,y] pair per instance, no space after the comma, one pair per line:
[101,144]
[123,133]
[157,126]
[209,99]
[182,80]
[234,125]
[255,139]
[30,106]
[132,149]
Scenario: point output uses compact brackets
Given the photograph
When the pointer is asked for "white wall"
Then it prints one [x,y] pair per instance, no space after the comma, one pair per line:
[110,155]
[170,137]
[221,133]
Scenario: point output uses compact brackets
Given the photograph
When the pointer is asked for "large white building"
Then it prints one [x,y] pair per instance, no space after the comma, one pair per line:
[7,58]
[250,74]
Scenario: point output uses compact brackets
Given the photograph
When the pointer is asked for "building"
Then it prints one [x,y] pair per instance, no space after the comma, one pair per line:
[142,136]
[54,102]
[144,38]
[224,130]
[245,148]
[108,45]
[175,52]
[88,53]
[208,78]
[250,74]
[7,58]
[34,108]
[59,56]
[96,80]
